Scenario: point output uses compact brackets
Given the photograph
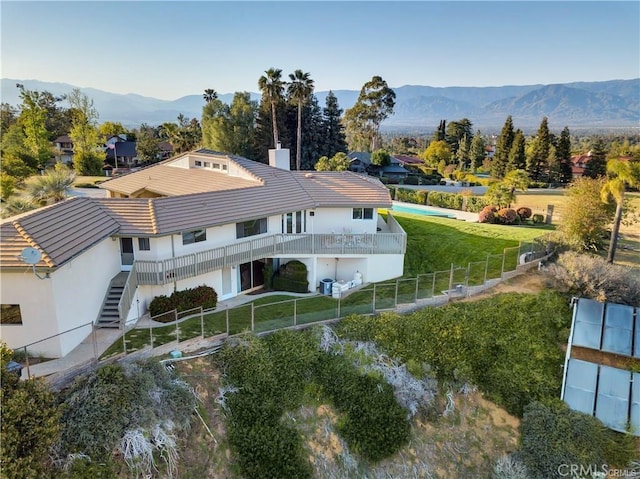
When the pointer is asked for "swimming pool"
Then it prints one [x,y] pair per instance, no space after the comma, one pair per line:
[421,211]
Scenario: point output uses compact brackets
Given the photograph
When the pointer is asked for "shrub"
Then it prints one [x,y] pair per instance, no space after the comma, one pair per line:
[411,180]
[592,277]
[292,276]
[553,435]
[538,218]
[507,216]
[184,300]
[488,215]
[445,200]
[507,345]
[475,204]
[524,212]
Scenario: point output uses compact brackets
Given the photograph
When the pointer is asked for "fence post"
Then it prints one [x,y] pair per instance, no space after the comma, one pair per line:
[486,270]
[94,341]
[373,302]
[175,315]
[504,256]
[450,283]
[339,300]
[295,312]
[415,300]
[227,319]
[433,286]
[202,321]
[150,333]
[253,326]
[26,358]
[124,341]
[395,298]
[466,279]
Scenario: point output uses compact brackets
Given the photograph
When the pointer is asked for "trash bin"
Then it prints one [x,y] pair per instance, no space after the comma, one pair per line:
[325,286]
[14,367]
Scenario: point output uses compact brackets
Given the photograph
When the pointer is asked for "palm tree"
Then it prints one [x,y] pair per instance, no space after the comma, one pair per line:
[621,174]
[209,95]
[272,88]
[52,186]
[300,88]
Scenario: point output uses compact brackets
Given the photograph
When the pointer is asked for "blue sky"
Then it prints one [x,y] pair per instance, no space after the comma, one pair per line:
[169,49]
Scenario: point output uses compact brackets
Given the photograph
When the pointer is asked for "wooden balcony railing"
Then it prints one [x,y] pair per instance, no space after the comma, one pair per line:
[187,266]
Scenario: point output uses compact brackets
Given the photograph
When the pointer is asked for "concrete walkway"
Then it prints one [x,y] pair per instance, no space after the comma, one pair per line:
[89,350]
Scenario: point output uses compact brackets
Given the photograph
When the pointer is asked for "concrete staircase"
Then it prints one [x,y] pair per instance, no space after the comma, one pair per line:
[109,316]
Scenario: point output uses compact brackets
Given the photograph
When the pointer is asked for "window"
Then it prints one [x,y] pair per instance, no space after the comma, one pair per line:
[224,167]
[10,314]
[251,228]
[363,213]
[216,166]
[143,244]
[194,236]
[294,222]
[198,163]
[207,164]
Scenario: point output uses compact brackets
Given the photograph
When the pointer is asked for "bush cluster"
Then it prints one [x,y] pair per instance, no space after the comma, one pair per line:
[445,200]
[507,345]
[508,216]
[592,277]
[488,215]
[184,300]
[537,218]
[99,408]
[524,212]
[553,435]
[272,375]
[373,423]
[292,276]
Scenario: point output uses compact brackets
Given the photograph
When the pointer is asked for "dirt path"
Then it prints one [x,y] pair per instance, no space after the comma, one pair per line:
[531,282]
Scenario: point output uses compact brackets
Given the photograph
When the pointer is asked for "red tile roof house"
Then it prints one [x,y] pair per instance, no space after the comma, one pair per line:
[202,217]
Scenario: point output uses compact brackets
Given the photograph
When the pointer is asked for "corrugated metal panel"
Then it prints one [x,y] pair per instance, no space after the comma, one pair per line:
[618,329]
[635,404]
[612,403]
[580,388]
[588,328]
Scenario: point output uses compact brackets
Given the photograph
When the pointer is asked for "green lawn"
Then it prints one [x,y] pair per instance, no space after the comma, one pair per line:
[432,245]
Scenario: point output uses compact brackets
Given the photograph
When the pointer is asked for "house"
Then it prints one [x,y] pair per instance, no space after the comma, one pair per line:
[578,164]
[201,217]
[64,150]
[361,163]
[122,154]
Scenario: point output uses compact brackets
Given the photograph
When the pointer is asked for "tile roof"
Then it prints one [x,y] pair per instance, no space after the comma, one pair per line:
[408,160]
[122,148]
[60,232]
[63,230]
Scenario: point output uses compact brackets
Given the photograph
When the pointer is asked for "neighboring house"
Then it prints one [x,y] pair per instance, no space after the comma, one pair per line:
[64,150]
[200,218]
[360,161]
[122,154]
[408,161]
[395,169]
[166,150]
[578,164]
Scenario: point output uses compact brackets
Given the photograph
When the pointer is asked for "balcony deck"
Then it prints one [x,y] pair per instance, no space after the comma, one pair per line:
[266,246]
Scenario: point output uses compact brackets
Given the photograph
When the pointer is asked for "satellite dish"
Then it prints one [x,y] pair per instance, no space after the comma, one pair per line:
[30,255]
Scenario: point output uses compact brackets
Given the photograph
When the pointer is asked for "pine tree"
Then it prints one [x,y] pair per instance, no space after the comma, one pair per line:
[597,164]
[538,164]
[563,158]
[517,158]
[503,147]
[334,136]
[440,133]
[463,153]
[478,151]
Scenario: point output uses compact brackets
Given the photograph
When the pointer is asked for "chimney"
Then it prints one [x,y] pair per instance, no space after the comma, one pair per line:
[279,157]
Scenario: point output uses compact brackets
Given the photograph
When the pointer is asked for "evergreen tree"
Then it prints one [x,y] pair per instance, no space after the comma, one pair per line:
[517,157]
[440,133]
[33,122]
[477,151]
[563,158]
[464,152]
[503,147]
[313,133]
[148,143]
[334,136]
[455,131]
[374,104]
[538,164]
[597,164]
[88,155]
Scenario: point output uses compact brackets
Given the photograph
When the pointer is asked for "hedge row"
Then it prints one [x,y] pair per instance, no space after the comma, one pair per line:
[184,300]
[454,201]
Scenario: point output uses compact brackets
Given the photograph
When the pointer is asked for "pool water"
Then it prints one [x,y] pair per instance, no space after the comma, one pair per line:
[421,211]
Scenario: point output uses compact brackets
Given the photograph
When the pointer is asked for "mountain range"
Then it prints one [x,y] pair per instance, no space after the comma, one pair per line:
[606,104]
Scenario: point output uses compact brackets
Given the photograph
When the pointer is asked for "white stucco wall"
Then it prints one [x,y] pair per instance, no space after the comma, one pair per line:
[340,220]
[382,267]
[72,296]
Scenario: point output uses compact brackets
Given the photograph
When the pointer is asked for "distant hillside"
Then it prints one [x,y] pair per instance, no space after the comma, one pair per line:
[614,103]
